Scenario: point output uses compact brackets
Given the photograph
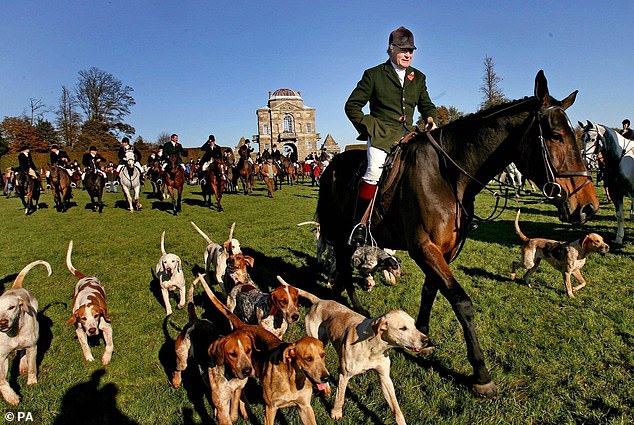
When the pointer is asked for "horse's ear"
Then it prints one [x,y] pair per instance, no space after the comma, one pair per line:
[588,124]
[567,102]
[582,125]
[541,88]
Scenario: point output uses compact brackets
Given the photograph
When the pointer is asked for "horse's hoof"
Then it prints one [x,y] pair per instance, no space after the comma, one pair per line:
[488,390]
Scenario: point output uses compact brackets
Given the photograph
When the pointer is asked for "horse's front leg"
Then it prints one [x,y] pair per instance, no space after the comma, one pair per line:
[430,259]
[427,298]
[617,200]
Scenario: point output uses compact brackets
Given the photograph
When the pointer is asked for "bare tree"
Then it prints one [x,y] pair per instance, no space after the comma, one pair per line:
[163,138]
[103,97]
[35,107]
[493,94]
[68,119]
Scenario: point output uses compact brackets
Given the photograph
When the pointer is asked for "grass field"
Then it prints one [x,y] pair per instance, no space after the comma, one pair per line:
[556,360]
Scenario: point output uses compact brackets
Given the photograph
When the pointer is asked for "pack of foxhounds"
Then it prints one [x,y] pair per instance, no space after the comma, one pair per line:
[253,347]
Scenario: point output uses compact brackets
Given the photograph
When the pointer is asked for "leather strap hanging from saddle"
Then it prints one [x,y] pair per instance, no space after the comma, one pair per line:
[390,178]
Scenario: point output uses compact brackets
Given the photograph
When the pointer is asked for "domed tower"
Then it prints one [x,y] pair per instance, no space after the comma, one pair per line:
[286,122]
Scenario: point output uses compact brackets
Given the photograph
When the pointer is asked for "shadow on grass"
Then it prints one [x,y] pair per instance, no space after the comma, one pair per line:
[90,401]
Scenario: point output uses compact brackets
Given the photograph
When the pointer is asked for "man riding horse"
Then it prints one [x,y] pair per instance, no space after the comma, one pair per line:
[125,148]
[91,162]
[173,147]
[211,151]
[61,159]
[393,89]
[26,164]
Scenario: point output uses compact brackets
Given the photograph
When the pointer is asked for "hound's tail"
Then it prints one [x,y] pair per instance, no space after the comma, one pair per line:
[310,297]
[163,243]
[72,269]
[233,228]
[314,223]
[522,236]
[18,280]
[236,323]
[205,237]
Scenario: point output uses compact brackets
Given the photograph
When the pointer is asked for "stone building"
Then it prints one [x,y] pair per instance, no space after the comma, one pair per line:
[286,122]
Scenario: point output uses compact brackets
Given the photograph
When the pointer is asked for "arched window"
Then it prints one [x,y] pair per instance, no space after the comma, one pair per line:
[289,124]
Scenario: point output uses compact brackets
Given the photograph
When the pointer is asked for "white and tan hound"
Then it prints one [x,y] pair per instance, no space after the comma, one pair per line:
[90,313]
[19,330]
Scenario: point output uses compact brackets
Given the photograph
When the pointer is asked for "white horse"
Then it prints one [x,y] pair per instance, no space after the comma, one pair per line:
[130,178]
[617,162]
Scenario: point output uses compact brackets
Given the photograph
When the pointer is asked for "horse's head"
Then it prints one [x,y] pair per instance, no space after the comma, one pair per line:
[592,141]
[554,160]
[129,158]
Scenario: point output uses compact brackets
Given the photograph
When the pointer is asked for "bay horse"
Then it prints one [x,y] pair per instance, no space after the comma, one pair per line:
[28,189]
[214,181]
[130,179]
[433,205]
[174,179]
[617,166]
[61,187]
[94,182]
[156,175]
[244,169]
[289,168]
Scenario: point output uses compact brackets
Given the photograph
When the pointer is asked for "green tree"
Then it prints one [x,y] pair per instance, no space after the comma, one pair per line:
[492,93]
[105,99]
[4,145]
[96,133]
[46,132]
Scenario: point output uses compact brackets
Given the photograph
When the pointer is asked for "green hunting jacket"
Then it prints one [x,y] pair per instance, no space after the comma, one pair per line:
[391,106]
[169,148]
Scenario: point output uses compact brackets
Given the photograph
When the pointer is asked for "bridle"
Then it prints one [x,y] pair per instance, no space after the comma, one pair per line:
[551,189]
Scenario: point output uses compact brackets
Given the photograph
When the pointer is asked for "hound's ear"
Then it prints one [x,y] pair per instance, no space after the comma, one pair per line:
[289,353]
[379,325]
[273,308]
[249,260]
[216,351]
[355,261]
[159,266]
[72,320]
[179,268]
[104,313]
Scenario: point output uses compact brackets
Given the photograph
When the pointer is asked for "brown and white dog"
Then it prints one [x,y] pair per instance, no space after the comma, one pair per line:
[216,255]
[90,313]
[224,362]
[361,344]
[567,257]
[274,311]
[287,371]
[19,330]
[236,272]
[171,277]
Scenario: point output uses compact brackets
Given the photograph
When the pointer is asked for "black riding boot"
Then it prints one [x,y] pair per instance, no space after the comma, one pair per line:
[359,234]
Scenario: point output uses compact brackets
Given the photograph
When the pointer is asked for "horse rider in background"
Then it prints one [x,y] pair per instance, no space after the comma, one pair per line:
[627,131]
[394,89]
[125,148]
[210,151]
[61,159]
[26,164]
[91,160]
[173,147]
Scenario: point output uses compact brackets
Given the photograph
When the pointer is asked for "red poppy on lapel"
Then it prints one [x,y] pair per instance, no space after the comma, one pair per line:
[410,76]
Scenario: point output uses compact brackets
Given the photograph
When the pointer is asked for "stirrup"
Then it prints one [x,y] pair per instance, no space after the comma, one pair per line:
[358,236]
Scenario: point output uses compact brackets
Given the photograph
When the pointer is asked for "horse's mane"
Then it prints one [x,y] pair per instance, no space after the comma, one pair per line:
[488,112]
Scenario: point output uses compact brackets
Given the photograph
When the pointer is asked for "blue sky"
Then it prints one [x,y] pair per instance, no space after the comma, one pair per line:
[204,67]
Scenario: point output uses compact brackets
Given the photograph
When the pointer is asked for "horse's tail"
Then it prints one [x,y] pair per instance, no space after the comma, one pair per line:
[223,309]
[203,234]
[18,280]
[522,236]
[163,243]
[72,269]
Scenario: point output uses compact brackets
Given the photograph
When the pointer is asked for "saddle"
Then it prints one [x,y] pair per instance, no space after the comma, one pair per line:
[390,179]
